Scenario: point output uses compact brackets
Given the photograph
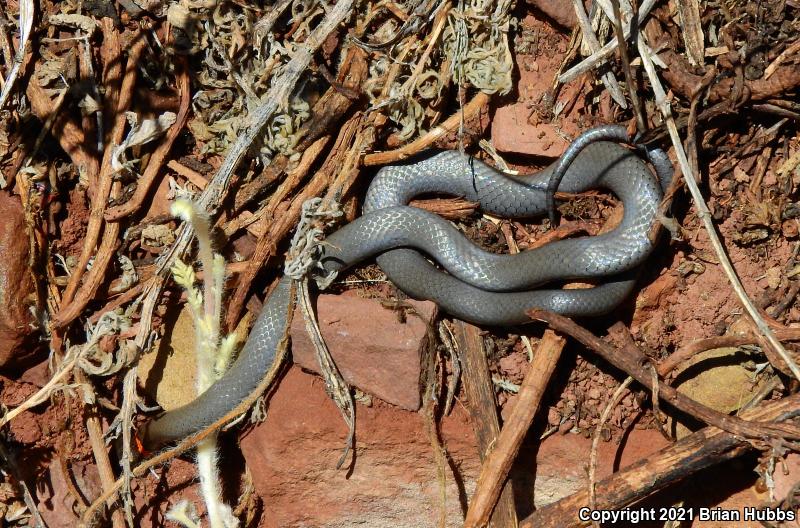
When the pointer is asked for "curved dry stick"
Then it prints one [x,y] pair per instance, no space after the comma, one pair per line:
[688,351]
[157,159]
[451,124]
[613,402]
[680,78]
[104,186]
[631,360]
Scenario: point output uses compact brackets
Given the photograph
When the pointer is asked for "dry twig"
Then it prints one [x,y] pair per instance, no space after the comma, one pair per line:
[496,465]
[632,361]
[156,162]
[479,388]
[419,144]
[705,448]
[705,215]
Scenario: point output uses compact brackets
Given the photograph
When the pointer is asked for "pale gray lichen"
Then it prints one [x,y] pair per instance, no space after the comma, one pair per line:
[476,39]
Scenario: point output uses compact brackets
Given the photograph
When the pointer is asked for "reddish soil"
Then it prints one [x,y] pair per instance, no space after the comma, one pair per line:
[283,471]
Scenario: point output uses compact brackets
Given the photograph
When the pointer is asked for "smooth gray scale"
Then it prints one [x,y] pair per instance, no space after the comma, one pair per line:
[480,287]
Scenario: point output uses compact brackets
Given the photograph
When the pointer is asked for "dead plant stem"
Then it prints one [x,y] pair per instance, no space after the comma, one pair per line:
[704,214]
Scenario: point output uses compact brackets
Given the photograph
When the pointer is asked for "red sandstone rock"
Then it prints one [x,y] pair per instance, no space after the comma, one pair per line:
[16,282]
[373,350]
[560,12]
[511,132]
[516,126]
[292,458]
[786,476]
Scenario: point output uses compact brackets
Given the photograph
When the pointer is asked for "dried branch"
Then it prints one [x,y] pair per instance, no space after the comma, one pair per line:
[705,448]
[94,428]
[72,304]
[157,159]
[278,94]
[591,62]
[497,463]
[594,45]
[705,215]
[631,360]
[701,345]
[421,143]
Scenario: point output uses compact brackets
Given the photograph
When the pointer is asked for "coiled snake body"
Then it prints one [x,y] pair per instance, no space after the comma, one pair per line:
[479,286]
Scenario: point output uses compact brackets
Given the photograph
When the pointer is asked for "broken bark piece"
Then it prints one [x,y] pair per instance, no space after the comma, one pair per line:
[498,461]
[372,348]
[483,412]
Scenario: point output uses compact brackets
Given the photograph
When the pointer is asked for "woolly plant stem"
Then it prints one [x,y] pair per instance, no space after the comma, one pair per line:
[209,481]
[206,347]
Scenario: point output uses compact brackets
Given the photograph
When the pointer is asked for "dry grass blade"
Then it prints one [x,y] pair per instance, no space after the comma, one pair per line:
[55,382]
[26,15]
[606,51]
[591,40]
[598,432]
[703,212]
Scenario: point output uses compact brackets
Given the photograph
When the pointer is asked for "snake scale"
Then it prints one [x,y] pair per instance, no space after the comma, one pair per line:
[471,283]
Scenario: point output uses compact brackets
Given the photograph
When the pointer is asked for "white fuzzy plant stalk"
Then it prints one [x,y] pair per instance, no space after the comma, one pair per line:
[213,353]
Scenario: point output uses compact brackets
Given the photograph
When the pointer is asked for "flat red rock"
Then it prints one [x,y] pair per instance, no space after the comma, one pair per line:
[372,348]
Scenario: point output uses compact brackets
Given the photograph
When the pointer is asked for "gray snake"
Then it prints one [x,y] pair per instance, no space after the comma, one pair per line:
[479,286]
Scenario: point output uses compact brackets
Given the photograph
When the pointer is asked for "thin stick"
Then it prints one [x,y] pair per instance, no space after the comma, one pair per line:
[641,126]
[277,95]
[292,181]
[419,144]
[95,430]
[706,447]
[433,38]
[594,45]
[596,441]
[631,360]
[157,159]
[69,135]
[266,246]
[497,463]
[606,51]
[705,215]
[42,394]
[689,350]
[26,15]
